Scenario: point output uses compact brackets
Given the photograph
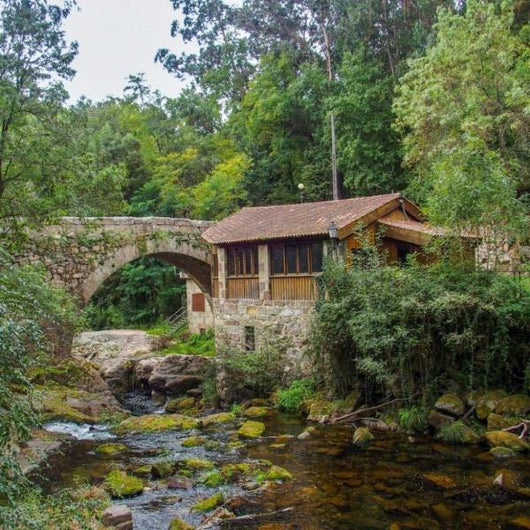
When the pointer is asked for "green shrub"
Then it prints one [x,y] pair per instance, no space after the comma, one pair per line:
[413,419]
[193,344]
[412,332]
[453,433]
[290,399]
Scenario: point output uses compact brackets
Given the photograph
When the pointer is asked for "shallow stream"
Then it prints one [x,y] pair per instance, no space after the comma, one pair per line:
[334,486]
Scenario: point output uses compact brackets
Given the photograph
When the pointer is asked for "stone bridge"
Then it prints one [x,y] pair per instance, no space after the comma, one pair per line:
[81,253]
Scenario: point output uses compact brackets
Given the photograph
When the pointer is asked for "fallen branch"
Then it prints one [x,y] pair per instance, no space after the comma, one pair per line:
[523,424]
[364,410]
[257,516]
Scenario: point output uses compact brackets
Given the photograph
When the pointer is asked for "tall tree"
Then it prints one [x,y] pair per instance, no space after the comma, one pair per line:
[34,58]
[463,110]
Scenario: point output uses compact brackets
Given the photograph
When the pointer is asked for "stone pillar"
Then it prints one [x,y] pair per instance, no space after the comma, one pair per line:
[222,264]
[264,272]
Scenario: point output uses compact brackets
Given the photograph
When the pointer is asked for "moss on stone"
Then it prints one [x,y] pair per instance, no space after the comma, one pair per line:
[507,439]
[487,403]
[206,505]
[196,464]
[180,404]
[251,429]
[111,449]
[362,436]
[179,524]
[143,471]
[277,473]
[155,423]
[450,403]
[257,412]
[501,453]
[220,418]
[119,484]
[213,479]
[193,441]
[162,469]
[319,408]
[496,422]
[516,405]
[232,472]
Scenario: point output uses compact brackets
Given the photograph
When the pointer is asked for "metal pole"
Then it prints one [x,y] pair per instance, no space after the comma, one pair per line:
[334,160]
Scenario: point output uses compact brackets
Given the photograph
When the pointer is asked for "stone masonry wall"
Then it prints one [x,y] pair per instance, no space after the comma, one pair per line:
[290,319]
[198,320]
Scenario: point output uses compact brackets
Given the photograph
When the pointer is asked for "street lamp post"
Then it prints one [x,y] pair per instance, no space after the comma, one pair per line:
[301,187]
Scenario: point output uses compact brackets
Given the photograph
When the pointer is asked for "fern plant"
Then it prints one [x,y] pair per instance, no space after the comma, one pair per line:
[413,419]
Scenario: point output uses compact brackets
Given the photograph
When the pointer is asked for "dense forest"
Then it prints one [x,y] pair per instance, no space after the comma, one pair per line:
[430,98]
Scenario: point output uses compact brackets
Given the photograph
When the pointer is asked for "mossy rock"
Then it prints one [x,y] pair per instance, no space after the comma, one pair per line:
[155,423]
[233,472]
[111,449]
[257,412]
[179,524]
[120,485]
[196,464]
[143,471]
[319,409]
[180,404]
[206,505]
[451,404]
[439,480]
[437,419]
[162,469]
[496,422]
[213,479]
[221,418]
[251,429]
[502,453]
[516,405]
[507,439]
[362,436]
[193,441]
[469,436]
[277,473]
[487,403]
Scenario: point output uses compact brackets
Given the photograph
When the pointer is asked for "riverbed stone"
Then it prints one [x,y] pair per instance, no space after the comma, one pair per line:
[179,524]
[306,433]
[196,464]
[119,484]
[193,441]
[507,478]
[520,523]
[515,405]
[161,469]
[180,404]
[362,436]
[179,483]
[257,412]
[251,429]
[117,516]
[155,423]
[320,409]
[220,418]
[507,439]
[451,404]
[496,422]
[111,449]
[208,504]
[443,513]
[501,453]
[439,480]
[143,471]
[278,474]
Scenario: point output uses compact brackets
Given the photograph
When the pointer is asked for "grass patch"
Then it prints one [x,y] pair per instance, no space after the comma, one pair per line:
[192,344]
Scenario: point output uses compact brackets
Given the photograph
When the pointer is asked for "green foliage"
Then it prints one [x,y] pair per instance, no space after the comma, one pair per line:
[193,344]
[79,508]
[31,315]
[453,433]
[290,399]
[140,294]
[408,332]
[413,419]
[249,374]
[463,112]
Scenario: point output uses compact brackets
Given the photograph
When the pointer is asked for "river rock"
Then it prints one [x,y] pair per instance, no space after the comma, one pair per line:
[179,524]
[451,404]
[437,419]
[320,409]
[507,439]
[179,483]
[112,352]
[257,412]
[507,479]
[501,453]
[155,423]
[220,418]
[516,405]
[496,422]
[119,484]
[362,436]
[487,403]
[520,523]
[439,480]
[180,404]
[118,516]
[251,429]
[172,375]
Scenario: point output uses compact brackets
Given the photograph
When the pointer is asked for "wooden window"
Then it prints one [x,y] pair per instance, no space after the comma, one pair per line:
[243,261]
[296,258]
[197,302]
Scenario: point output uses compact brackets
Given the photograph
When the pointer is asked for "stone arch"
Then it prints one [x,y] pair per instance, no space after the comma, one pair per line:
[190,258]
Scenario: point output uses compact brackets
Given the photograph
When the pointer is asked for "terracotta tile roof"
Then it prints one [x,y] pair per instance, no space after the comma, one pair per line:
[293,220]
[414,226]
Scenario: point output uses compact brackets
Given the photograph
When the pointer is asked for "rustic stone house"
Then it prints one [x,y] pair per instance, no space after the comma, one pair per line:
[266,259]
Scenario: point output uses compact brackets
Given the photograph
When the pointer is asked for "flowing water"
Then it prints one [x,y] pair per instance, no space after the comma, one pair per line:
[334,486]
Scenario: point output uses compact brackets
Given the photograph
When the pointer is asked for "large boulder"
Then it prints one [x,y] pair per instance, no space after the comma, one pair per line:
[487,403]
[172,375]
[516,405]
[113,352]
[507,439]
[118,516]
[451,404]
